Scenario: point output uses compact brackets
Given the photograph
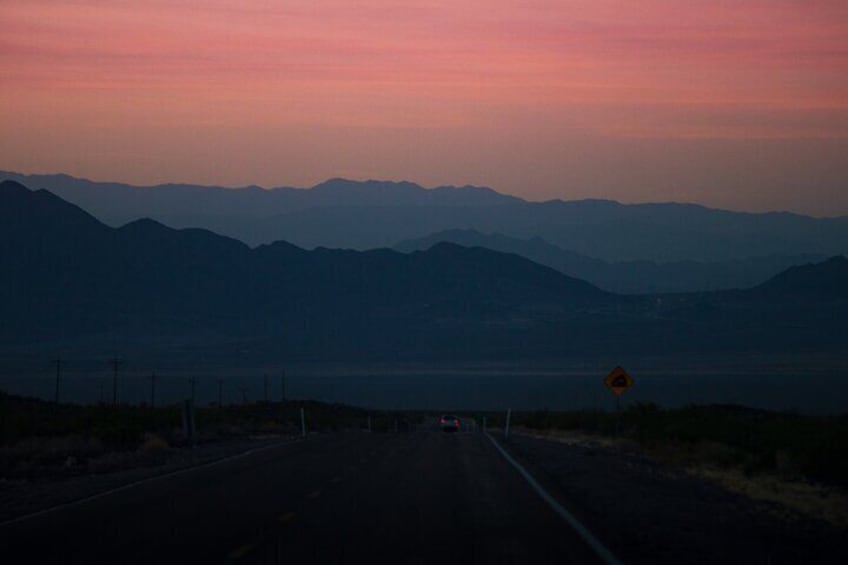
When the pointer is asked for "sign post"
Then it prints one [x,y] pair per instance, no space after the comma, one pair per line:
[618,381]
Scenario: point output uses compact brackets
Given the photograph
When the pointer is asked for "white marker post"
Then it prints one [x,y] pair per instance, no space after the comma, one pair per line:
[508,418]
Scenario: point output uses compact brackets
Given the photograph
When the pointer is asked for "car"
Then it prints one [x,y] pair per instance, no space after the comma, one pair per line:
[449,423]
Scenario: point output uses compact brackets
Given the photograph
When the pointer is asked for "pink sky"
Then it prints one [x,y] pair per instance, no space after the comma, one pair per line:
[738,104]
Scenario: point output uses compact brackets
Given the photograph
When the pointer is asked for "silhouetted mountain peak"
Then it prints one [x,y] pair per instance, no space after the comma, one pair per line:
[40,209]
[340,191]
[813,280]
[588,204]
[145,224]
[10,188]
[280,249]
[446,247]
[342,184]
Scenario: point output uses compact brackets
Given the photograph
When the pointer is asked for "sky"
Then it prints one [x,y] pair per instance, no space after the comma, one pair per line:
[735,104]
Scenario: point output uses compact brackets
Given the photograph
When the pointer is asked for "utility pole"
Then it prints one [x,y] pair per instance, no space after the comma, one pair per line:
[58,362]
[192,381]
[116,362]
[153,389]
[220,393]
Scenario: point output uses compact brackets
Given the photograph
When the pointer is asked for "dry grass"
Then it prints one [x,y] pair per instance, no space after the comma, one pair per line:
[153,443]
[579,439]
[807,499]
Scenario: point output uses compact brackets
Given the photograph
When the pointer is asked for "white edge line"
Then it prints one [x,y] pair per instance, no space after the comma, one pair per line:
[600,550]
[128,486]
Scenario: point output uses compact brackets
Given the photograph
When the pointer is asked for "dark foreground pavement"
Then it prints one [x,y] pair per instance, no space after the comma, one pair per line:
[423,497]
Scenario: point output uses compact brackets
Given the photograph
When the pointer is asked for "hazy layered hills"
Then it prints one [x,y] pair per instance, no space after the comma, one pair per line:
[623,276]
[66,278]
[363,215]
[70,283]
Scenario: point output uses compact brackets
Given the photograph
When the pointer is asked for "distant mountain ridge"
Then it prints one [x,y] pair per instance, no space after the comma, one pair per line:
[812,281]
[69,282]
[125,202]
[628,276]
[64,276]
[363,215]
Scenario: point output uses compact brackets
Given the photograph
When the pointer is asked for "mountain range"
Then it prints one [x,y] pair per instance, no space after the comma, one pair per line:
[342,213]
[70,282]
[629,277]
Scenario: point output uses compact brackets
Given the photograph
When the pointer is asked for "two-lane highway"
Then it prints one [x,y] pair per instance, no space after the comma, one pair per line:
[422,497]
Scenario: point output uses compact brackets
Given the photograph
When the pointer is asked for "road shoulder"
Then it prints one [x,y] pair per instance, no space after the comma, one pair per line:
[648,512]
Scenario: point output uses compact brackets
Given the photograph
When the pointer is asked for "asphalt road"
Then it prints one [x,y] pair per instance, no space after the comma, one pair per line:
[420,497]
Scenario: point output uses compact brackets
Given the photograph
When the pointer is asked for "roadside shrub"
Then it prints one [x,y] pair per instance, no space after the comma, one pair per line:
[153,443]
[754,441]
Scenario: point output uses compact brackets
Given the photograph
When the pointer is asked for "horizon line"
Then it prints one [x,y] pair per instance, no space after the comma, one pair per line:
[422,187]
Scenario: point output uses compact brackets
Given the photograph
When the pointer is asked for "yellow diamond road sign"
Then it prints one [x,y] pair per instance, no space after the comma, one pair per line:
[618,381]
